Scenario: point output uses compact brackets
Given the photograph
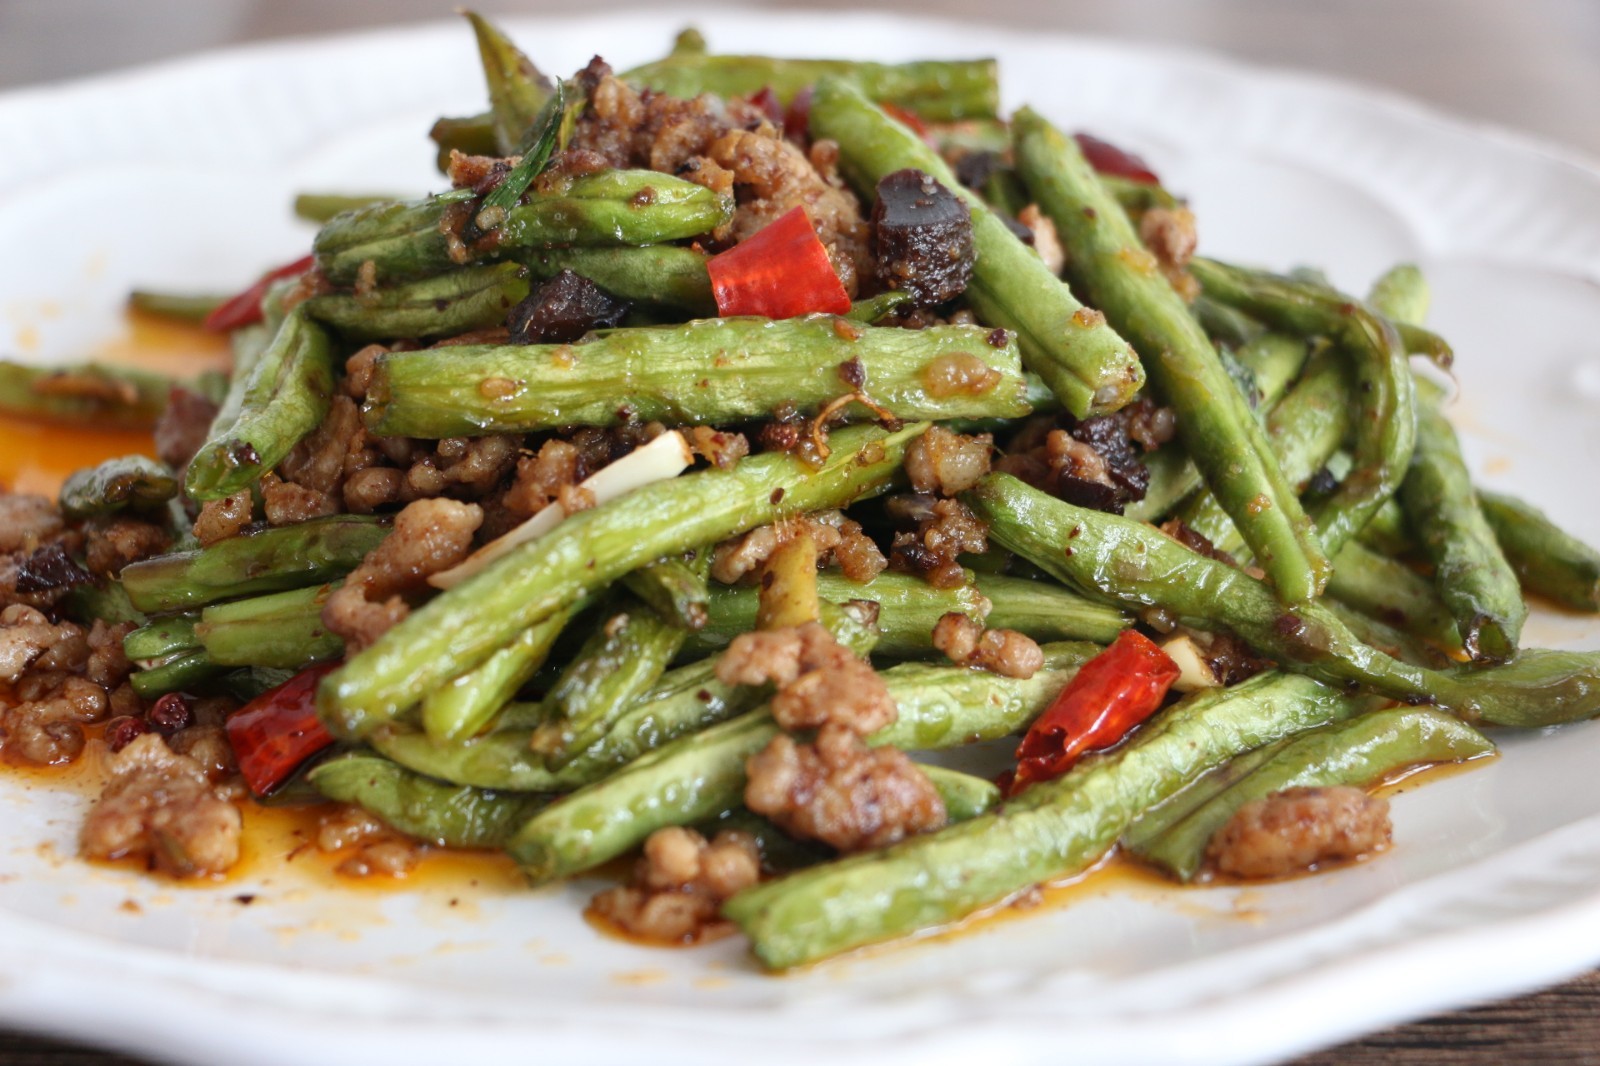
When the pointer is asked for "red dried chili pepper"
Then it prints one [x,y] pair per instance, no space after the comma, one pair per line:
[780,272]
[1111,693]
[245,308]
[278,730]
[1107,158]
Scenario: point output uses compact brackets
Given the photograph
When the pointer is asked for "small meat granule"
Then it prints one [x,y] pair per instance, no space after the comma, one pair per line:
[839,540]
[116,542]
[224,518]
[1297,829]
[162,806]
[1046,241]
[946,463]
[286,503]
[958,374]
[999,651]
[26,521]
[841,792]
[429,536]
[818,679]
[374,848]
[679,886]
[721,448]
[944,531]
[358,370]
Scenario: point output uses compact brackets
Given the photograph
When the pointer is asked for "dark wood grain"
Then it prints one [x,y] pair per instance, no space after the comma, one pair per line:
[1561,1025]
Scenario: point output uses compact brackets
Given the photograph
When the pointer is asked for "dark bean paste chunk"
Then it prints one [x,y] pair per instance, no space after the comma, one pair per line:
[922,235]
[562,310]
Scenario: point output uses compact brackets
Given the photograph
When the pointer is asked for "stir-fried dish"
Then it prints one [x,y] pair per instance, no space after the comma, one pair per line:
[732,434]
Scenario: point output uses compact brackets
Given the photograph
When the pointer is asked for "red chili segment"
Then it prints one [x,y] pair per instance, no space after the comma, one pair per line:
[780,272]
[278,730]
[1111,693]
[1107,158]
[245,308]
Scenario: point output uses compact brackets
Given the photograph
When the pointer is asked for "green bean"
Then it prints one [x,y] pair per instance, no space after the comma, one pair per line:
[451,816]
[610,207]
[1387,533]
[658,275]
[909,608]
[1228,445]
[1392,592]
[466,703]
[162,638]
[1550,562]
[319,207]
[1471,573]
[1359,752]
[684,701]
[130,481]
[715,370]
[1135,564]
[516,88]
[282,630]
[467,134]
[1305,428]
[587,551]
[699,776]
[284,396]
[107,601]
[1052,830]
[1083,360]
[1274,361]
[1385,423]
[87,394]
[689,42]
[619,663]
[182,673]
[878,307]
[1395,643]
[1401,294]
[964,795]
[936,90]
[269,561]
[675,588]
[178,306]
[454,302]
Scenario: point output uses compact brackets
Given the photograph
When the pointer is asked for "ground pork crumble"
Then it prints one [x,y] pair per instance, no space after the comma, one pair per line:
[1000,651]
[1299,829]
[679,886]
[163,806]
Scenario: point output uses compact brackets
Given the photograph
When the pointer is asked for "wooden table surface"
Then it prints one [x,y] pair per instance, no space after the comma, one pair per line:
[1532,65]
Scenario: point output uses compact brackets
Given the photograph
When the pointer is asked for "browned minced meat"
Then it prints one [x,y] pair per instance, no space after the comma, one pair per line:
[1093,463]
[1298,828]
[840,541]
[27,521]
[37,566]
[220,519]
[374,849]
[162,805]
[61,677]
[679,885]
[728,145]
[1045,239]
[1000,651]
[818,679]
[721,448]
[183,426]
[1169,233]
[113,543]
[944,530]
[946,463]
[428,536]
[841,792]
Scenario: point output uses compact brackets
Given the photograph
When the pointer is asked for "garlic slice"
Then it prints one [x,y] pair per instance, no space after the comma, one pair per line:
[1194,672]
[663,458]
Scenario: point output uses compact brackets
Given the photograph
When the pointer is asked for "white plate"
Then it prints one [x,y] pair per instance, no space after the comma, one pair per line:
[179,175]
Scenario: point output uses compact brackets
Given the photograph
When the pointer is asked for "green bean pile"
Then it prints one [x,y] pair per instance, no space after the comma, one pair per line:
[563,702]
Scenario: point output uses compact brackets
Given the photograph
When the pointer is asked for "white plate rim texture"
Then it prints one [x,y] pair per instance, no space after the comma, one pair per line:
[1520,917]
